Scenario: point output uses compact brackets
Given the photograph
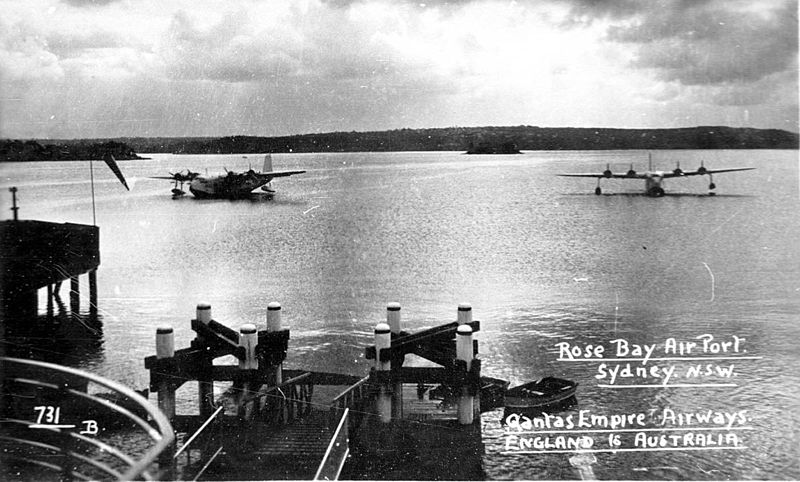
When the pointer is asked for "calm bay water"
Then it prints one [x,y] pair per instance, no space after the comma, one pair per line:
[541,259]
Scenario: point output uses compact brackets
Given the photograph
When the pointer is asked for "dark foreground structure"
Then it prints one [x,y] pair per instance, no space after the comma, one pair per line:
[39,254]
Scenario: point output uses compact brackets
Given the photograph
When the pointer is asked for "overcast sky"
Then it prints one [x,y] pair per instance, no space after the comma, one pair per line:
[109,68]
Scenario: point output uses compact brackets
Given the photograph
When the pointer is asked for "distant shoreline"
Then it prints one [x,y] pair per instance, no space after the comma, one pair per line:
[478,140]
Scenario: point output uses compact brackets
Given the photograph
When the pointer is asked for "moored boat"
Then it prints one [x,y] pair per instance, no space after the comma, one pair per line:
[542,394]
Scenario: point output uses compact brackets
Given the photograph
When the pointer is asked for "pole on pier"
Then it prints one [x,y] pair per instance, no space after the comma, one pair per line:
[393,320]
[383,340]
[464,313]
[14,207]
[205,382]
[274,324]
[464,352]
[165,349]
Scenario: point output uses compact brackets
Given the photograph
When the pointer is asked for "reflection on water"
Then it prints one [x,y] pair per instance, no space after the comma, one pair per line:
[541,259]
[74,340]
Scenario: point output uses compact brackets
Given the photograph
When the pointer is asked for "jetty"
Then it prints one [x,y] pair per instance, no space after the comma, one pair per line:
[275,423]
[39,254]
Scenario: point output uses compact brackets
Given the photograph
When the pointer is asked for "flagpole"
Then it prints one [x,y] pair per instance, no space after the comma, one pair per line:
[91,174]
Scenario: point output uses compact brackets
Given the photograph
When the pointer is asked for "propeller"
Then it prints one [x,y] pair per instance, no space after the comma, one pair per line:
[631,172]
[607,172]
[678,171]
[702,169]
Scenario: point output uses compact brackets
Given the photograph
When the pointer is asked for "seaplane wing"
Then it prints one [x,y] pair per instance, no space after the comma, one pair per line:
[702,171]
[653,178]
[272,174]
[169,178]
[601,175]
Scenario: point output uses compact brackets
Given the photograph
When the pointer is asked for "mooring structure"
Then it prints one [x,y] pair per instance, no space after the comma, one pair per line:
[274,423]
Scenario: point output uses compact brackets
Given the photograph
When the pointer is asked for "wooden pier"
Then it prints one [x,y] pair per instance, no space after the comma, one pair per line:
[273,423]
[38,254]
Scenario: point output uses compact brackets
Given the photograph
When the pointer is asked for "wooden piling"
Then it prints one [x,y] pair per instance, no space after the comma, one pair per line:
[274,323]
[93,293]
[74,295]
[49,300]
[464,352]
[383,340]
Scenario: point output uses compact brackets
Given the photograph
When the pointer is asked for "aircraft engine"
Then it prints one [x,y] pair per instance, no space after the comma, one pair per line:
[607,173]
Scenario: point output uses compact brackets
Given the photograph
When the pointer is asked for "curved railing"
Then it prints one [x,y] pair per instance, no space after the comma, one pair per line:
[53,424]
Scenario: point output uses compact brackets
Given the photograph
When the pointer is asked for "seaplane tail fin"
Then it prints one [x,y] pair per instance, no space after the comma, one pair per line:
[267,163]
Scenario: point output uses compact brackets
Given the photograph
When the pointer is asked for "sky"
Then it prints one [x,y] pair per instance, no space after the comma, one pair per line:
[116,68]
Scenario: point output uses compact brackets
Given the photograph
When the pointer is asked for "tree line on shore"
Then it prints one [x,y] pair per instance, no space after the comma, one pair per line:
[30,150]
[472,139]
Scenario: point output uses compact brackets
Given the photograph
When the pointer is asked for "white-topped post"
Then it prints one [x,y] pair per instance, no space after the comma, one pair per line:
[393,320]
[464,353]
[165,349]
[203,313]
[393,317]
[248,338]
[464,313]
[383,340]
[205,382]
[274,323]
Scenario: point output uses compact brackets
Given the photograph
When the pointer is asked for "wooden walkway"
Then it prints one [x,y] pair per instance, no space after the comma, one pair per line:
[290,452]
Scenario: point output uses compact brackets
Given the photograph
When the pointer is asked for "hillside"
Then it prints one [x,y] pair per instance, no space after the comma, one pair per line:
[23,151]
[473,139]
[462,138]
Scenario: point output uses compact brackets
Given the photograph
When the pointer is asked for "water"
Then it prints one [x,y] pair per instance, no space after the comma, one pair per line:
[541,259]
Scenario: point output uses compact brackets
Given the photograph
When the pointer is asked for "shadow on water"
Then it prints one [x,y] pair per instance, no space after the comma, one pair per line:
[69,339]
[666,195]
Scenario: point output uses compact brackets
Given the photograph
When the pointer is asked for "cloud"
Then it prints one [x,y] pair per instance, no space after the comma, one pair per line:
[711,43]
[24,56]
[273,67]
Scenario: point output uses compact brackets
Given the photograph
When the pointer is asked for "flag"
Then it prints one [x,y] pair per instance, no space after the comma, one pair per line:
[112,164]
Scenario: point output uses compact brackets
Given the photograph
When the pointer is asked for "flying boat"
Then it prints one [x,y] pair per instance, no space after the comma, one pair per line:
[231,185]
[653,179]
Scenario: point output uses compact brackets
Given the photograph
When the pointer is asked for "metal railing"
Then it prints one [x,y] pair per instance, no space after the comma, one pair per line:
[281,404]
[53,423]
[336,455]
[352,398]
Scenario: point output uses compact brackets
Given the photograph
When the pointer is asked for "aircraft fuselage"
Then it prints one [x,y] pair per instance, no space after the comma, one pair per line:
[652,184]
[230,186]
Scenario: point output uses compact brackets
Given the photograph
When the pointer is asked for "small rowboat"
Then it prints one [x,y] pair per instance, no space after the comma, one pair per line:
[546,393]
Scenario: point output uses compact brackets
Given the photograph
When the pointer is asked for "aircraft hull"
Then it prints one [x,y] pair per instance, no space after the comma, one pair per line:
[233,186]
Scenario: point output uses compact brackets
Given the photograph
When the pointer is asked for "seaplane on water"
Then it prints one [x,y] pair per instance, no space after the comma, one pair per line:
[231,185]
[653,180]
